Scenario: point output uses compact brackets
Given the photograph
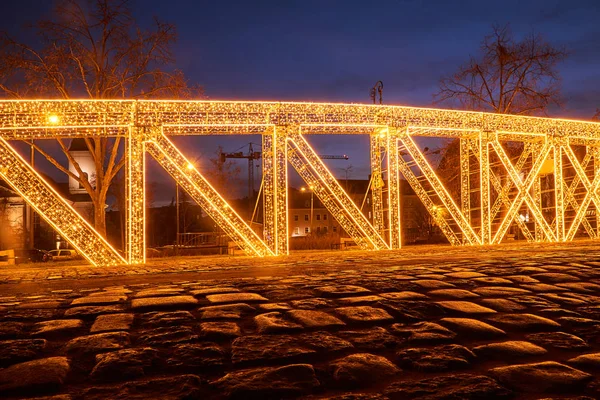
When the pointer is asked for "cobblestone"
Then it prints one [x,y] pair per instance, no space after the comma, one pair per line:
[415,324]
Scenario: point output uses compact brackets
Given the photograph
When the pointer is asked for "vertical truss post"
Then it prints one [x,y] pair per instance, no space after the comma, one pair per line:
[559,185]
[275,178]
[484,168]
[394,193]
[465,183]
[378,139]
[536,190]
[596,156]
[135,236]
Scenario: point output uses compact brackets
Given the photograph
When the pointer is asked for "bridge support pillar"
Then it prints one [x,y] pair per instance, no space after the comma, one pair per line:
[484,168]
[135,235]
[394,189]
[378,144]
[275,178]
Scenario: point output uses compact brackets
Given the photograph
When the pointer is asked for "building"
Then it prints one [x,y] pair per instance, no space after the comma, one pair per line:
[306,220]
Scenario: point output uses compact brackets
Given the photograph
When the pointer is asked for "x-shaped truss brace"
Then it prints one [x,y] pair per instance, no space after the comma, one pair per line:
[523,191]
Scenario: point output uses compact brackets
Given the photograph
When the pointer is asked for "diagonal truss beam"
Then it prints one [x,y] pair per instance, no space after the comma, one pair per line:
[438,190]
[199,189]
[591,194]
[310,167]
[55,210]
[488,176]
[523,191]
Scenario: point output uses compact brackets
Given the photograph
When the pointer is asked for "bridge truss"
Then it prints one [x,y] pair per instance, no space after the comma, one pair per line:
[539,176]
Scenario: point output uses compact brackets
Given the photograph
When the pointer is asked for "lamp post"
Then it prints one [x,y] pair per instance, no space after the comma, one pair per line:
[303,189]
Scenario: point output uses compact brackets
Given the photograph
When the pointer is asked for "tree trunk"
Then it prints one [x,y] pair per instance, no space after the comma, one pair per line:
[100,217]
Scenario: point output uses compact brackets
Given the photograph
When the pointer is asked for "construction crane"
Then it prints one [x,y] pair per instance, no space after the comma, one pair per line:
[252,155]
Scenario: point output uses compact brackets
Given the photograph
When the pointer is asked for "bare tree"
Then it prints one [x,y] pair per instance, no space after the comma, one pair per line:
[597,115]
[95,49]
[509,76]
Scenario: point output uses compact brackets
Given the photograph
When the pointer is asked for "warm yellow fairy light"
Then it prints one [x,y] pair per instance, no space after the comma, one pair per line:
[484,167]
[54,209]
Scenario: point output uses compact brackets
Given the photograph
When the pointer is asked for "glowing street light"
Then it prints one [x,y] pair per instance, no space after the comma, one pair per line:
[53,119]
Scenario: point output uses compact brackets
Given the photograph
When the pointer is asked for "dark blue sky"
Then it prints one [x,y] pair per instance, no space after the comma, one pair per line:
[335,51]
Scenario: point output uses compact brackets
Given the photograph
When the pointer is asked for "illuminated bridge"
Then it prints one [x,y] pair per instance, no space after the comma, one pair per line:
[539,175]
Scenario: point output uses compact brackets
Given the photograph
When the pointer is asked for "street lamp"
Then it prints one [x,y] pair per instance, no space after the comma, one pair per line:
[303,189]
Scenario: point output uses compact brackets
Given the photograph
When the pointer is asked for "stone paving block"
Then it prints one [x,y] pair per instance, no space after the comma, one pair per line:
[509,349]
[39,305]
[423,332]
[472,328]
[453,293]
[45,372]
[97,300]
[503,305]
[175,387]
[219,330]
[404,295]
[315,319]
[98,343]
[274,322]
[268,382]
[454,386]
[374,339]
[124,364]
[91,311]
[112,322]
[167,336]
[163,302]
[158,292]
[555,277]
[235,298]
[59,326]
[166,318]
[362,369]
[364,314]
[465,275]
[432,284]
[586,361]
[341,290]
[359,300]
[274,307]
[465,307]
[524,322]
[214,290]
[558,340]
[499,291]
[548,376]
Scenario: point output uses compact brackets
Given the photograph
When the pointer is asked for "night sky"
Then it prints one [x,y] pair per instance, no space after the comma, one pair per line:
[335,51]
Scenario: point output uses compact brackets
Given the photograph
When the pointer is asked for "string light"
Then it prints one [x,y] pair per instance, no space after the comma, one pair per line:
[146,125]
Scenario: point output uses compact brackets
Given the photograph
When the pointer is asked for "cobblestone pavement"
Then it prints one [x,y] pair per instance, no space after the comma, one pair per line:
[515,321]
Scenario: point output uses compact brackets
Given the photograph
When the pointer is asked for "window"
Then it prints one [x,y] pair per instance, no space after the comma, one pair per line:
[318,229]
[324,229]
[370,216]
[318,217]
[306,217]
[296,230]
[324,217]
[335,228]
[295,217]
[306,230]
[368,200]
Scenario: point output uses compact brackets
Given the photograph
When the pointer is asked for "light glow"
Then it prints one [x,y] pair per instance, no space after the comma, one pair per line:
[507,189]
